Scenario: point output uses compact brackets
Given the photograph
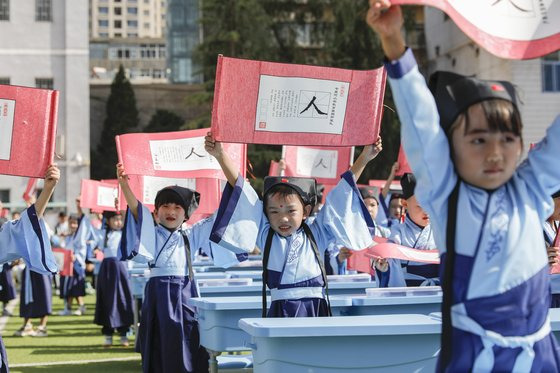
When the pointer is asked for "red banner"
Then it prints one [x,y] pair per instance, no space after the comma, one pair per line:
[29,189]
[174,155]
[27,130]
[98,196]
[381,183]
[515,29]
[360,262]
[145,189]
[273,169]
[261,102]
[404,167]
[322,163]
[63,259]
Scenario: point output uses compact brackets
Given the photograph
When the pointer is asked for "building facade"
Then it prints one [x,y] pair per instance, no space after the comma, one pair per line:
[537,80]
[47,47]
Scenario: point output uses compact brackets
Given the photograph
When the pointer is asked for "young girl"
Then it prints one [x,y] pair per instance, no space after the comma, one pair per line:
[496,282]
[27,238]
[113,306]
[292,250]
[415,232]
[168,338]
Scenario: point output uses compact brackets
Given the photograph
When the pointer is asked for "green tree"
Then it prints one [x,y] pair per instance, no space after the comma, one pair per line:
[164,121]
[122,117]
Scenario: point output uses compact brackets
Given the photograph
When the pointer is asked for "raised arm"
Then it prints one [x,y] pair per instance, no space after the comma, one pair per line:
[387,22]
[215,149]
[368,153]
[128,195]
[51,179]
[387,186]
[79,208]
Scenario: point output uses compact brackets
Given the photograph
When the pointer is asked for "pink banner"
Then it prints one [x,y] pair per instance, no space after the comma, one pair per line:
[381,183]
[404,167]
[145,189]
[28,118]
[322,163]
[174,155]
[515,29]
[29,189]
[273,169]
[360,262]
[98,196]
[395,251]
[287,104]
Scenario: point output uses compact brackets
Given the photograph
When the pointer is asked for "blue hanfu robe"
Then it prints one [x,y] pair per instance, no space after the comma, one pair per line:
[75,285]
[168,337]
[7,287]
[550,232]
[27,239]
[113,306]
[501,287]
[294,275]
[410,273]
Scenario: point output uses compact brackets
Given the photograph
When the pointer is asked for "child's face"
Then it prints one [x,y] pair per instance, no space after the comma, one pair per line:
[116,223]
[171,215]
[286,213]
[396,208]
[372,207]
[73,225]
[482,158]
[416,213]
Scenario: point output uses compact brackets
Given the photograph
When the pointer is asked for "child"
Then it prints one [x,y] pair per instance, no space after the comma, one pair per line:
[415,232]
[550,234]
[27,238]
[292,267]
[113,306]
[487,213]
[74,287]
[168,338]
[7,288]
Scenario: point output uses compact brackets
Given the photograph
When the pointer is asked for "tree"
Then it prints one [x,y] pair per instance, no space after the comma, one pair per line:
[164,121]
[122,117]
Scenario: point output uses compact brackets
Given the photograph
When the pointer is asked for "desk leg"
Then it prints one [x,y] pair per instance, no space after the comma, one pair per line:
[213,362]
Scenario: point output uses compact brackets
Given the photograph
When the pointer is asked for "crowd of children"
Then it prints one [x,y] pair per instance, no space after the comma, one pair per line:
[494,220]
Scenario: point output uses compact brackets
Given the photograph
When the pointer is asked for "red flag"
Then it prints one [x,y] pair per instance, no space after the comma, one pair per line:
[273,103]
[29,189]
[322,163]
[515,29]
[98,196]
[360,262]
[404,167]
[27,130]
[145,189]
[273,169]
[174,155]
[64,263]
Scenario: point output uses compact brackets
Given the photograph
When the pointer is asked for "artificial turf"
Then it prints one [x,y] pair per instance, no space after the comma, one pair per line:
[71,338]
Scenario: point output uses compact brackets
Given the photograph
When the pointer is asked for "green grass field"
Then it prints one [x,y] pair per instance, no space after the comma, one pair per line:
[71,339]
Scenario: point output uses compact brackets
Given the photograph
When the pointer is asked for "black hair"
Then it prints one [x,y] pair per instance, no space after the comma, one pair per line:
[395,196]
[166,196]
[282,190]
[62,214]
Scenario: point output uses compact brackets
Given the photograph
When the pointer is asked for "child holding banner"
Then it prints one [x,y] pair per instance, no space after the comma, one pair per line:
[415,232]
[113,306]
[462,138]
[292,250]
[552,239]
[27,238]
[168,338]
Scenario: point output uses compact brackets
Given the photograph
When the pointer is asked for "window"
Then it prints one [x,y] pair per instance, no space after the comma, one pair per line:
[103,23]
[4,81]
[118,11]
[118,24]
[44,83]
[132,35]
[5,195]
[103,35]
[132,23]
[551,72]
[118,35]
[146,26]
[146,13]
[43,10]
[103,10]
[4,10]
[132,10]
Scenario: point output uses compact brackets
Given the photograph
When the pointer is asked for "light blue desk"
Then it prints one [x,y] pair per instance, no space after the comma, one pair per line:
[390,301]
[360,344]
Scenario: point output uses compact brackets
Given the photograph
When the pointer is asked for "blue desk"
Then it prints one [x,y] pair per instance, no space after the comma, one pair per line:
[390,301]
[380,343]
[218,319]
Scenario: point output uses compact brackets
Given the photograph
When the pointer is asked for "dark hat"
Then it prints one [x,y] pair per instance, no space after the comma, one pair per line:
[556,195]
[109,214]
[369,192]
[306,187]
[408,183]
[454,93]
[188,198]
